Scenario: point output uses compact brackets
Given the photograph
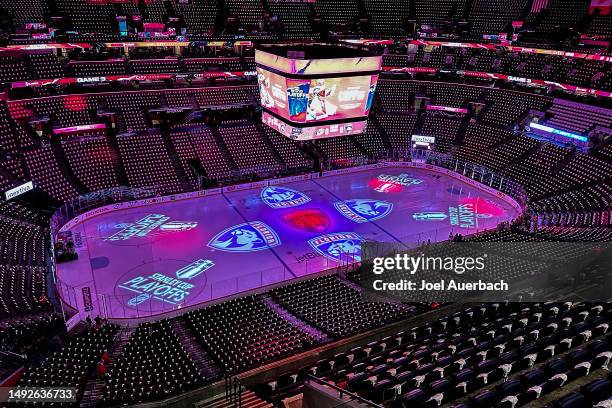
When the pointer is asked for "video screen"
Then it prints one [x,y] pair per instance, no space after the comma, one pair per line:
[316,100]
[315,130]
[318,66]
[272,92]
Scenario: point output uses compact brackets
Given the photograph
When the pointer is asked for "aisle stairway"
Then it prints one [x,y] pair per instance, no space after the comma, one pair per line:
[249,400]
[207,366]
[94,390]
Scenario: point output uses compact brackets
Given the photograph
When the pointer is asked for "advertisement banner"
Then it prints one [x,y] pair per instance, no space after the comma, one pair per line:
[19,190]
[87,302]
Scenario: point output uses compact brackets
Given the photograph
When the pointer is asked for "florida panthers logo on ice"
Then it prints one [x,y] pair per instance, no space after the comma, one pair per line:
[247,237]
[363,210]
[308,220]
[283,197]
[338,246]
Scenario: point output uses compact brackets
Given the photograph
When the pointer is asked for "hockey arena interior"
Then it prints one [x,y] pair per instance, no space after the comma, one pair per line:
[188,189]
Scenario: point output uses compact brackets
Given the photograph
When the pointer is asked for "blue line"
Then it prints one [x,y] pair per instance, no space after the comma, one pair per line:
[271,249]
[370,222]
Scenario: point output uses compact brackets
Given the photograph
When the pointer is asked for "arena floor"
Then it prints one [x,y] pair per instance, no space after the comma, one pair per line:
[135,263]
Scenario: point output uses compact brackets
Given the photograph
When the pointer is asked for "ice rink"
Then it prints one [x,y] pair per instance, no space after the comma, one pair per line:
[150,260]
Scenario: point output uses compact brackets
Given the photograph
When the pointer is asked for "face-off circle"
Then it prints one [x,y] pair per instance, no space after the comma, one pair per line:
[163,284]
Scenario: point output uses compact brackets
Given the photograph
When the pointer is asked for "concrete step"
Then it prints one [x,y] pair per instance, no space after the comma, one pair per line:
[249,400]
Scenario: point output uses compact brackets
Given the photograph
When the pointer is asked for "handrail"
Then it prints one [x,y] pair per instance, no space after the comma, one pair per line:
[342,391]
[233,391]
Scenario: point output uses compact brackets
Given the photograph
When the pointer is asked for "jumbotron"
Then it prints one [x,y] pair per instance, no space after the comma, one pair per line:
[199,198]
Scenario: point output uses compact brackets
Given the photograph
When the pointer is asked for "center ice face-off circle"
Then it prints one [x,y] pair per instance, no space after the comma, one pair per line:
[307,220]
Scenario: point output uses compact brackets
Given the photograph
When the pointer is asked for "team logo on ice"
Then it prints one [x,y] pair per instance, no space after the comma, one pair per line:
[247,237]
[387,183]
[363,210]
[338,246]
[308,220]
[283,197]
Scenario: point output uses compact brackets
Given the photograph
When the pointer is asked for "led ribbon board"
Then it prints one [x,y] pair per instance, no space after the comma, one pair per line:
[559,132]
[315,131]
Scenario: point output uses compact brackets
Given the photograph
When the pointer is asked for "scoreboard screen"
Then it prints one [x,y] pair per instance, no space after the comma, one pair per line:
[314,91]
[315,100]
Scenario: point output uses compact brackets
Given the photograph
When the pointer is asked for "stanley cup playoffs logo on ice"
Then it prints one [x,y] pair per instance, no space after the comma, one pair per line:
[462,216]
[167,288]
[164,288]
